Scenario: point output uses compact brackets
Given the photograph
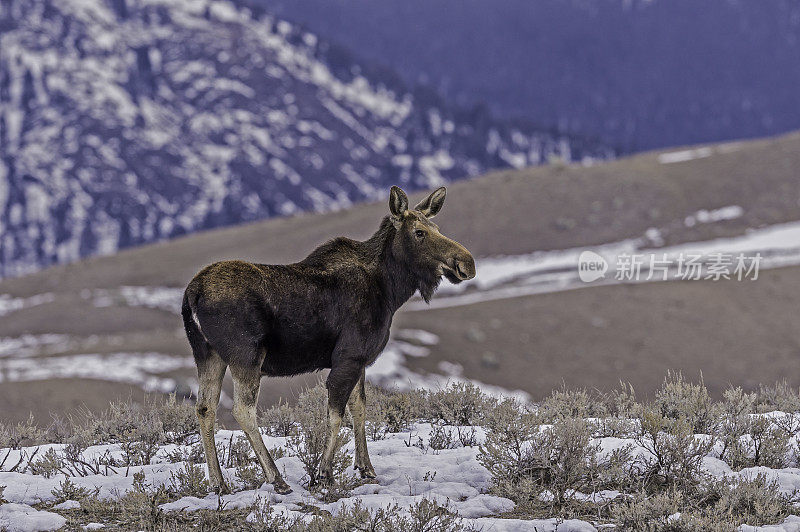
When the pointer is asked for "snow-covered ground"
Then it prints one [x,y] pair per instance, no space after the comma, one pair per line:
[406,475]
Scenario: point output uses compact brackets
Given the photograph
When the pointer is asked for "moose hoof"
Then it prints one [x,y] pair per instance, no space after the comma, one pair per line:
[281,487]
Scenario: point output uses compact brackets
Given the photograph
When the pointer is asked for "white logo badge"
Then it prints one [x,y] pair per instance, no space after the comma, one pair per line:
[591,266]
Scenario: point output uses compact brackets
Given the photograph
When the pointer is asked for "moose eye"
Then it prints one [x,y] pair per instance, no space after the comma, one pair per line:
[419,233]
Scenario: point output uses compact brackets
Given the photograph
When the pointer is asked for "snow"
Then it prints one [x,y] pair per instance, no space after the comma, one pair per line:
[10,304]
[790,524]
[418,335]
[488,524]
[684,155]
[498,278]
[157,297]
[703,216]
[33,344]
[139,369]
[67,505]
[23,518]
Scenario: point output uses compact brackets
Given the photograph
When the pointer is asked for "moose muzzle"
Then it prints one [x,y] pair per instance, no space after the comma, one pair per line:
[464,267]
[459,266]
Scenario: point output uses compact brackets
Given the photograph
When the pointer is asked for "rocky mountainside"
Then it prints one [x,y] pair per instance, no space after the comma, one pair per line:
[124,122]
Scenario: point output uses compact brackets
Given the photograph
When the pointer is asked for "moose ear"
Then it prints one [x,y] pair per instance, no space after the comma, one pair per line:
[431,205]
[398,202]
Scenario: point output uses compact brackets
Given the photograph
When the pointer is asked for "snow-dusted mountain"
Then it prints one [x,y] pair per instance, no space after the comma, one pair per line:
[124,122]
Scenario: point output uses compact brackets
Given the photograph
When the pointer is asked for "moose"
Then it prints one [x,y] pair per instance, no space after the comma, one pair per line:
[332,310]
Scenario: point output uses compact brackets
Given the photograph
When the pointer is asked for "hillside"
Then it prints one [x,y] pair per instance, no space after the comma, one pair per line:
[109,326]
[123,123]
[639,74]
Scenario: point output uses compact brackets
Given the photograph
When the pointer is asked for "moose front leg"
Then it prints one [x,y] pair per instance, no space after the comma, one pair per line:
[358,411]
[340,383]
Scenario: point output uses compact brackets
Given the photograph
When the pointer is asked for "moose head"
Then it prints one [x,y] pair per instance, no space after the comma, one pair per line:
[424,250]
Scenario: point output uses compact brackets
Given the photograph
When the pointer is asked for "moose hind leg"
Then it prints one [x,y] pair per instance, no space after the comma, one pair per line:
[210,374]
[358,411]
[246,384]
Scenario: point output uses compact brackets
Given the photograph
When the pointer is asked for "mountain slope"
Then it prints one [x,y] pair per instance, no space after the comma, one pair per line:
[126,122]
[640,74]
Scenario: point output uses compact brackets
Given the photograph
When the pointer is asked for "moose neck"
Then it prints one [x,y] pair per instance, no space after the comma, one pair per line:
[395,275]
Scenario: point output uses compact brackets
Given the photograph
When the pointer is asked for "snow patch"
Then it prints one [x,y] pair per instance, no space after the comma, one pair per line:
[703,216]
[684,155]
[23,518]
[10,304]
[140,369]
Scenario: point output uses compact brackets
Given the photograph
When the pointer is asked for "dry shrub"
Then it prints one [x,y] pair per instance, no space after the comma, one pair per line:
[156,421]
[239,454]
[750,440]
[278,420]
[675,454]
[460,403]
[622,401]
[178,417]
[190,480]
[68,491]
[250,475]
[505,452]
[49,464]
[390,412]
[763,444]
[757,501]
[564,403]
[779,396]
[193,453]
[137,509]
[23,434]
[442,437]
[678,399]
[719,505]
[648,513]
[525,458]
[425,516]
